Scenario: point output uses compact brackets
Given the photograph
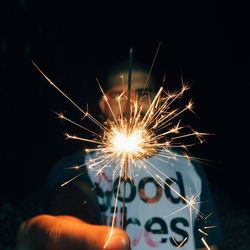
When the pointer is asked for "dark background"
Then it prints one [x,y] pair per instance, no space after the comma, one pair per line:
[73,43]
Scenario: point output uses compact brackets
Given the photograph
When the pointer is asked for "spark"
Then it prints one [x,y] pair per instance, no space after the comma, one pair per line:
[76,167]
[206,234]
[205,243]
[63,117]
[191,202]
[151,68]
[70,180]
[67,97]
[182,242]
[208,227]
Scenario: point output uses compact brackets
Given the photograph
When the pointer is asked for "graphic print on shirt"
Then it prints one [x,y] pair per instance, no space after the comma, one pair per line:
[155,217]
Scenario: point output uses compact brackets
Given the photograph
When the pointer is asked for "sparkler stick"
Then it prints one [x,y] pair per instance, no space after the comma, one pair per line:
[125,172]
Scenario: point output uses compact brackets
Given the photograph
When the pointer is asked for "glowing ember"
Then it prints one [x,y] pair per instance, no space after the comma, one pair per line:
[122,144]
[127,144]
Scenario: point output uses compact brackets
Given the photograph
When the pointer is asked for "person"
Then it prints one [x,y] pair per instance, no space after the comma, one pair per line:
[79,214]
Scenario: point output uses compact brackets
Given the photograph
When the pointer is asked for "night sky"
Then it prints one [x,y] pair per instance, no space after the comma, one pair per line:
[205,43]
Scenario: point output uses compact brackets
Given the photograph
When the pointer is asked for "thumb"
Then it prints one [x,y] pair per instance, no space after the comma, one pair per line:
[66,232]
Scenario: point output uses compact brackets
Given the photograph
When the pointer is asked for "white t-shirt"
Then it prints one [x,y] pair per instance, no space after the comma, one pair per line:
[155,215]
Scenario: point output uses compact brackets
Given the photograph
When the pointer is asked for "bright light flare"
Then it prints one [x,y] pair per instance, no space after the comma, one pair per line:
[122,143]
[125,144]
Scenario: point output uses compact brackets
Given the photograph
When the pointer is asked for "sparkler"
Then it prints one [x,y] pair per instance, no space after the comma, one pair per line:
[128,140]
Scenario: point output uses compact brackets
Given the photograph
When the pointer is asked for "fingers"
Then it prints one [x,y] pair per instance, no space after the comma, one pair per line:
[66,232]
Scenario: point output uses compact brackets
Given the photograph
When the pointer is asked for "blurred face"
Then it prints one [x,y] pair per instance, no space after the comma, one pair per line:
[117,95]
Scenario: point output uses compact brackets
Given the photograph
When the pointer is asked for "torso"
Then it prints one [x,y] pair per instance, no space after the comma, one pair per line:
[155,215]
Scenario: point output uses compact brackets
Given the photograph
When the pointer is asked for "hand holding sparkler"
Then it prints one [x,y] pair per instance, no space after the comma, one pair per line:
[66,232]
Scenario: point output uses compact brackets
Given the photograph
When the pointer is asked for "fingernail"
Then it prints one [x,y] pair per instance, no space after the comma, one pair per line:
[120,242]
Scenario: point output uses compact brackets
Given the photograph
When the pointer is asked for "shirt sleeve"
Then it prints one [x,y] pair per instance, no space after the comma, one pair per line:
[66,169]
[207,225]
[70,190]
